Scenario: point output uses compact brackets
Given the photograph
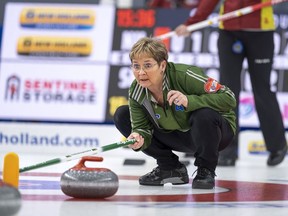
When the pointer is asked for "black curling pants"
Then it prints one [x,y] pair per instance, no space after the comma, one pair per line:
[209,134]
[258,49]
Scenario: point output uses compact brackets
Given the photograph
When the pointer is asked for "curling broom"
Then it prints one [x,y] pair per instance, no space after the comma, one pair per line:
[78,155]
[227,16]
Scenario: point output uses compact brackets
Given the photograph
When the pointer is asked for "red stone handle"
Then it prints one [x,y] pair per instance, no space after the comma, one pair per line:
[81,164]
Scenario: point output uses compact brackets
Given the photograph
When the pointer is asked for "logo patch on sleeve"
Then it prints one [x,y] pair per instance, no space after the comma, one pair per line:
[211,86]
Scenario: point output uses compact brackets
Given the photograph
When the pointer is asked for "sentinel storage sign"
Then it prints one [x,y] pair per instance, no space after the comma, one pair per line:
[36,91]
[54,62]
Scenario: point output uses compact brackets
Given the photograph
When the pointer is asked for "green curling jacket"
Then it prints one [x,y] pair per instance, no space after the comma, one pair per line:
[201,91]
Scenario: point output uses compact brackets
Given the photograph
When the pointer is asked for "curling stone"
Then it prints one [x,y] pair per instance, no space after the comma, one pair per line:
[88,182]
[10,199]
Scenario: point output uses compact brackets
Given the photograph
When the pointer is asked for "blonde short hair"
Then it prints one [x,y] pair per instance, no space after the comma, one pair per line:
[149,47]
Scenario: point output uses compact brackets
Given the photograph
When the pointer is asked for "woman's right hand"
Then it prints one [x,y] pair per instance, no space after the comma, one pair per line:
[139,141]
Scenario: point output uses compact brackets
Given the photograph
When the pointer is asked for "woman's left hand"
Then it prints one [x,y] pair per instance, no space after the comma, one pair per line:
[177,97]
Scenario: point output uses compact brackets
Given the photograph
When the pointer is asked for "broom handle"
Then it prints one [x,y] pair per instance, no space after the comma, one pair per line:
[77,155]
[227,16]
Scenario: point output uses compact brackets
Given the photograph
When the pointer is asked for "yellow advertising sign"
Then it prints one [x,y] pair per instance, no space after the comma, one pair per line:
[60,18]
[54,46]
[256,147]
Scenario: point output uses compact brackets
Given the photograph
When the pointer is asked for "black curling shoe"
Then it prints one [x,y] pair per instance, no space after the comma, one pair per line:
[277,157]
[158,177]
[204,179]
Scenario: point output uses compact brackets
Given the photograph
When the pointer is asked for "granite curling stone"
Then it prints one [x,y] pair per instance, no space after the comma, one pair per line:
[10,199]
[88,182]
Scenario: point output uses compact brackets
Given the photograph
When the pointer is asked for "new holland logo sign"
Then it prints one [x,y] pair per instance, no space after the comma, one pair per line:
[54,46]
[59,18]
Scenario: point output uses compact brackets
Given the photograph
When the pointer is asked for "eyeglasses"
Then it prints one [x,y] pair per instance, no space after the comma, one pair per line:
[145,67]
